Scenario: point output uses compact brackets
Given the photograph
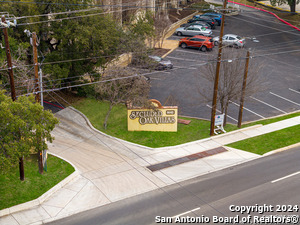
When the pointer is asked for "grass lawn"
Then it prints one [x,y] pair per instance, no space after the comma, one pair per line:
[271,141]
[14,192]
[272,120]
[117,126]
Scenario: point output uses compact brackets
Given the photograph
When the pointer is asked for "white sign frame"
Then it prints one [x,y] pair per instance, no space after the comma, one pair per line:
[219,121]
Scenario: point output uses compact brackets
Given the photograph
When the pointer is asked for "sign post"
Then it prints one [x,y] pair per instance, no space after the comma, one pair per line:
[45,156]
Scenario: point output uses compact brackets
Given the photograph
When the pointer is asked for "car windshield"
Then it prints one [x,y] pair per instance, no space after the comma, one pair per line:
[203,28]
[238,37]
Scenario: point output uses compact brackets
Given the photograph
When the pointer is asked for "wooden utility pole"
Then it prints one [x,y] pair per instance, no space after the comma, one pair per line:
[12,85]
[216,84]
[9,62]
[243,90]
[36,68]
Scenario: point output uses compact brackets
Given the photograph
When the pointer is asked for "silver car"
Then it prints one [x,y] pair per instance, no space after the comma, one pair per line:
[193,30]
[232,40]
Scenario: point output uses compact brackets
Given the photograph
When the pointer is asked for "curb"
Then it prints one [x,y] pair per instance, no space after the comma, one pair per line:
[104,134]
[281,149]
[43,197]
[263,10]
[210,138]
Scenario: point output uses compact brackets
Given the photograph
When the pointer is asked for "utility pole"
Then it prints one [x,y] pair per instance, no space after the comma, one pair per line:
[12,85]
[36,68]
[243,90]
[9,62]
[216,84]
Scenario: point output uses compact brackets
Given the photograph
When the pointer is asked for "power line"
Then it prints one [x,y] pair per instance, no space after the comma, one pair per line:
[82,59]
[70,18]
[136,75]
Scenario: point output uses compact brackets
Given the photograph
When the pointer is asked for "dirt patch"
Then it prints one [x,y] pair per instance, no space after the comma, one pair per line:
[64,98]
[178,14]
[160,51]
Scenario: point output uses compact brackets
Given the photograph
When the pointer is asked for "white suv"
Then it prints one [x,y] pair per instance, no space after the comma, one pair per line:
[232,40]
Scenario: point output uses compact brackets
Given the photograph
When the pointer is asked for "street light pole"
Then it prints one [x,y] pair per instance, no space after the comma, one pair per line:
[243,90]
[36,67]
[216,84]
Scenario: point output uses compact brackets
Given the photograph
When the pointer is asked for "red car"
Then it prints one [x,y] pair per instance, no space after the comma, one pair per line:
[202,42]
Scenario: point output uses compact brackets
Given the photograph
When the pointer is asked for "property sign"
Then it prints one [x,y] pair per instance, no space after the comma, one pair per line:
[159,119]
[219,121]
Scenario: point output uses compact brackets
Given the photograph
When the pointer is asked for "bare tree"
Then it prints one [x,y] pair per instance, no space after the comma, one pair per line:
[122,85]
[162,24]
[231,78]
[23,75]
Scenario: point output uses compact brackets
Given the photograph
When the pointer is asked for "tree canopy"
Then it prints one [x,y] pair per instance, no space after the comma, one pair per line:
[24,129]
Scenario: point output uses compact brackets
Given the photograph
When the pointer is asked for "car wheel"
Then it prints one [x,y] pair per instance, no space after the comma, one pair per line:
[179,33]
[216,43]
[235,46]
[203,49]
[183,45]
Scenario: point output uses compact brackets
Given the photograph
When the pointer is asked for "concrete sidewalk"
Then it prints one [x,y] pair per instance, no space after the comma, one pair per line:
[109,169]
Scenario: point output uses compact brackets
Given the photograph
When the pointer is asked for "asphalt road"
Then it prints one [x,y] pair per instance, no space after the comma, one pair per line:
[269,181]
[280,76]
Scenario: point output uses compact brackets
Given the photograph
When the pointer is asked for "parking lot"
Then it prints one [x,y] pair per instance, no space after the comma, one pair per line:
[275,45]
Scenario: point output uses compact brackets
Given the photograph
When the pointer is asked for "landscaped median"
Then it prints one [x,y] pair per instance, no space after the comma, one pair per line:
[198,129]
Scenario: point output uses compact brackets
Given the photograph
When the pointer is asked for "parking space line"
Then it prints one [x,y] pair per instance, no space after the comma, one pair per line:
[220,112]
[294,90]
[180,50]
[171,57]
[249,110]
[200,53]
[267,104]
[285,99]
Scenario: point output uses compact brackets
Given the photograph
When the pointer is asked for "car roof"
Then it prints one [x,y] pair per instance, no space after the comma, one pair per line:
[196,25]
[212,13]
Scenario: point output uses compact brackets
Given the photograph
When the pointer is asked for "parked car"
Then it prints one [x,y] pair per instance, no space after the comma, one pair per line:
[201,23]
[216,17]
[232,40]
[161,64]
[193,30]
[202,42]
[208,20]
